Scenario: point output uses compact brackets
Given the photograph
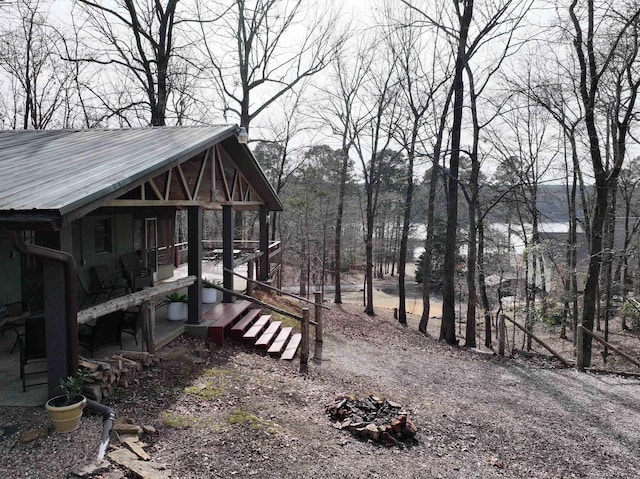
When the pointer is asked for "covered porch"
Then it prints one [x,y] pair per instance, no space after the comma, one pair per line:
[121,180]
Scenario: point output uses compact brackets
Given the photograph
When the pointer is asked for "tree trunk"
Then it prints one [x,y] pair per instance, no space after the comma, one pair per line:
[337,297]
[404,239]
[447,330]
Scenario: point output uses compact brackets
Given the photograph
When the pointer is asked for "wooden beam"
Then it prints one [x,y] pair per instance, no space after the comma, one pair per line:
[184,183]
[203,167]
[155,203]
[542,343]
[134,299]
[155,189]
[299,298]
[167,191]
[608,345]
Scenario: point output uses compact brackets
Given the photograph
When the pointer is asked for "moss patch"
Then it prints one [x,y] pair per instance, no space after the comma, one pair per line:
[213,383]
[246,419]
[180,421]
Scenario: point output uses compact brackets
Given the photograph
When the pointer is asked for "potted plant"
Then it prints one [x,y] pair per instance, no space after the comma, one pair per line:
[65,410]
[209,293]
[177,307]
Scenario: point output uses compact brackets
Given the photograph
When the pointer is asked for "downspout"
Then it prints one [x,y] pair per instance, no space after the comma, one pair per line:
[71,287]
[108,418]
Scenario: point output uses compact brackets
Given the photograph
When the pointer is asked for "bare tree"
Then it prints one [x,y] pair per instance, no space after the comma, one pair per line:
[379,100]
[421,76]
[38,78]
[342,112]
[139,39]
[594,60]
[258,50]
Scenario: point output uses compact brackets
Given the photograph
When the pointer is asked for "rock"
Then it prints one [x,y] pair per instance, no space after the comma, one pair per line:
[144,469]
[31,435]
[125,428]
[137,449]
[150,430]
[89,469]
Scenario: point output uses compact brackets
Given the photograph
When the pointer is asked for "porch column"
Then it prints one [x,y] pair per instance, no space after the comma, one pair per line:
[194,263]
[264,245]
[227,252]
[61,341]
[55,323]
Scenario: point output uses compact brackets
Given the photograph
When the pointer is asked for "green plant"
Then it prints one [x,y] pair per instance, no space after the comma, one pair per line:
[210,283]
[176,297]
[71,386]
[631,313]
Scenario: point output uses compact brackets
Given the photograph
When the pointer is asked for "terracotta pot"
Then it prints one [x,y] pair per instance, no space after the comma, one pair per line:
[65,417]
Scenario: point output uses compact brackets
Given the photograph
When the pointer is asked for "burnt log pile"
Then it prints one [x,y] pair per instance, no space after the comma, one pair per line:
[373,418]
[120,370]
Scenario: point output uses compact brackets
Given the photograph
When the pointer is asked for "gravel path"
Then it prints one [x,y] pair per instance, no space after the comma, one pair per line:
[232,413]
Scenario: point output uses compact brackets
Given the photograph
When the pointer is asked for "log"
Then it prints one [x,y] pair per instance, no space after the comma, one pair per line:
[138,298]
[608,345]
[538,340]
[148,326]
[625,374]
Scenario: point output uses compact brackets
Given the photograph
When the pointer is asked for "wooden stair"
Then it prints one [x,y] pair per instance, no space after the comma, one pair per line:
[242,322]
[224,316]
[265,340]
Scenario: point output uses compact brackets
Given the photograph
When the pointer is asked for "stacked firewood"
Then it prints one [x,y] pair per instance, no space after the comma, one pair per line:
[120,370]
[372,418]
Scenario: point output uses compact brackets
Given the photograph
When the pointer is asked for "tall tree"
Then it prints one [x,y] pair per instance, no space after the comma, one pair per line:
[594,59]
[342,112]
[139,39]
[421,77]
[37,79]
[258,50]
[380,97]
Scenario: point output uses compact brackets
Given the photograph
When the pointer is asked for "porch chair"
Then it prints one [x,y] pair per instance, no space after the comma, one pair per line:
[90,295]
[33,349]
[137,275]
[109,282]
[105,331]
[15,313]
[131,323]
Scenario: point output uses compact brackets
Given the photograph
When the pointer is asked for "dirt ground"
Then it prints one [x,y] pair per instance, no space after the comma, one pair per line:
[229,412]
[478,416]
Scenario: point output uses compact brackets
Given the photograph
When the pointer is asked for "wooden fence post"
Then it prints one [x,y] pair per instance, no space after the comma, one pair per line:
[148,326]
[304,353]
[318,312]
[501,335]
[250,276]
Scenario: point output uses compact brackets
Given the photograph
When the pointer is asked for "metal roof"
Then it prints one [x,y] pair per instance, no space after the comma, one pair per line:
[63,170]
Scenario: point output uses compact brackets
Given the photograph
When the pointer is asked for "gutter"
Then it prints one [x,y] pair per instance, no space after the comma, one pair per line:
[71,297]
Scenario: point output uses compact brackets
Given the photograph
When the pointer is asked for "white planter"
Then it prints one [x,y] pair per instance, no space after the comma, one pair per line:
[177,311]
[209,295]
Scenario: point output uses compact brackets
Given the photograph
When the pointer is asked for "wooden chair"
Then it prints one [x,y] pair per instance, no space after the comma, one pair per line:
[109,282]
[14,319]
[106,330]
[33,348]
[137,275]
[131,323]
[90,295]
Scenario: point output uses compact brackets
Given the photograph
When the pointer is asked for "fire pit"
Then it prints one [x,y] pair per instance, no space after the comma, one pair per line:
[373,418]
